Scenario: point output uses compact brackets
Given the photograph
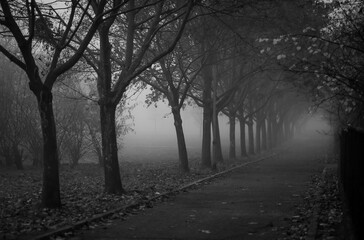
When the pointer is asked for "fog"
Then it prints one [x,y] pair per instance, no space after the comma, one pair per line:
[154,137]
[314,126]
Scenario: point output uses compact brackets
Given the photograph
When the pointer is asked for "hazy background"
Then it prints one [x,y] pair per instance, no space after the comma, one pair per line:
[154,137]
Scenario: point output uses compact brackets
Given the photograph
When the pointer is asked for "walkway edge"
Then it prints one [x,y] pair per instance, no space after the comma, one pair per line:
[312,228]
[79,224]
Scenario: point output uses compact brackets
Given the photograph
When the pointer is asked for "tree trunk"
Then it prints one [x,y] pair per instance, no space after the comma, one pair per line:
[219,155]
[96,145]
[250,128]
[214,143]
[107,114]
[251,137]
[110,150]
[257,135]
[264,134]
[215,124]
[269,132]
[8,156]
[51,189]
[37,159]
[75,156]
[181,143]
[232,151]
[274,131]
[206,137]
[18,157]
[243,152]
[280,133]
[207,119]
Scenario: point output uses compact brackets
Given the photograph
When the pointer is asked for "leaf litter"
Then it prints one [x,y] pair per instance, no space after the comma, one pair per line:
[82,195]
[323,192]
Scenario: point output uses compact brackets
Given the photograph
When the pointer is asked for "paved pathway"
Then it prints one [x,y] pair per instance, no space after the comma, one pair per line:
[249,203]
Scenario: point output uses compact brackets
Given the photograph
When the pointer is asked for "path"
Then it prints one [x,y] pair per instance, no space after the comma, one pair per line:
[249,203]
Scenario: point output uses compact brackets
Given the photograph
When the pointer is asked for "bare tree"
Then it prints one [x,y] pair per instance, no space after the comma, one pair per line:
[136,26]
[171,78]
[25,22]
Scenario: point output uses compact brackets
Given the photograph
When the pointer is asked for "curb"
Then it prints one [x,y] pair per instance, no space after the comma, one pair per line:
[312,229]
[79,224]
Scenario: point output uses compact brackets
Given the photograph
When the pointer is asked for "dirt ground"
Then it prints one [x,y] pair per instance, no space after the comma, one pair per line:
[253,202]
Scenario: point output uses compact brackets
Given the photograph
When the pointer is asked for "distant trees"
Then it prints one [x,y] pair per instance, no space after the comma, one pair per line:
[16,109]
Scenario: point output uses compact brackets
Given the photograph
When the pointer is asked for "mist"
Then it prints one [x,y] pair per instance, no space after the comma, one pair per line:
[153,137]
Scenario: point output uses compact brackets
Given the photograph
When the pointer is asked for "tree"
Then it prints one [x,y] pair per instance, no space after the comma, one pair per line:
[213,40]
[71,118]
[172,77]
[15,105]
[136,25]
[327,50]
[34,23]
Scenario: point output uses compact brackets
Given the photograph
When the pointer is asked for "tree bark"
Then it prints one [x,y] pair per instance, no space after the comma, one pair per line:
[107,114]
[207,119]
[51,188]
[206,137]
[96,145]
[215,124]
[243,151]
[251,137]
[219,155]
[264,134]
[181,143]
[257,134]
[110,150]
[232,150]
[274,125]
[269,132]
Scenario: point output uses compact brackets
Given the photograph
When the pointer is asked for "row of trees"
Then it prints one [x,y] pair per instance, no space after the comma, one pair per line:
[328,56]
[200,51]
[76,117]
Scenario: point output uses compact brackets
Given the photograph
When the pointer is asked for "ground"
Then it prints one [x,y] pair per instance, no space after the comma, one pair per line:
[276,198]
[258,201]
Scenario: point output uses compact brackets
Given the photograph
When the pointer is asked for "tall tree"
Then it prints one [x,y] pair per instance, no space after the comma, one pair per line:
[25,22]
[126,42]
[171,78]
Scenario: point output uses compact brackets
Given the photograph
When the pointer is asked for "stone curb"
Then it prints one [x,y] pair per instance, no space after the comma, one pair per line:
[79,224]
